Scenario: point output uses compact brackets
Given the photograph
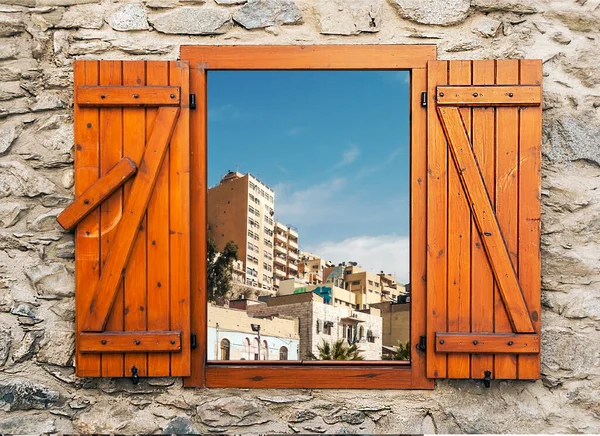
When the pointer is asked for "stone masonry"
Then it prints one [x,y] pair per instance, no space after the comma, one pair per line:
[39,39]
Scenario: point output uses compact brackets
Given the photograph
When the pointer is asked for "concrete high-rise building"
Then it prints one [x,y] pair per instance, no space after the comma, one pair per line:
[286,253]
[240,209]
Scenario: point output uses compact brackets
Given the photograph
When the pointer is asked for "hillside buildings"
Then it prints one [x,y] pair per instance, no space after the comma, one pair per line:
[285,254]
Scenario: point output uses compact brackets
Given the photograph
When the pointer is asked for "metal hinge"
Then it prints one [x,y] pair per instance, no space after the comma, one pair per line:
[193,341]
[192,101]
[422,345]
[424,99]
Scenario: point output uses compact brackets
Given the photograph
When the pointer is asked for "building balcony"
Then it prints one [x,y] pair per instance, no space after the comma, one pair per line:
[279,273]
[280,261]
[293,255]
[280,249]
[293,244]
[292,266]
[293,233]
[281,238]
[281,226]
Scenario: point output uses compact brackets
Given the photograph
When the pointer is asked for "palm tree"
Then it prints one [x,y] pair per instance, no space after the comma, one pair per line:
[337,350]
[401,353]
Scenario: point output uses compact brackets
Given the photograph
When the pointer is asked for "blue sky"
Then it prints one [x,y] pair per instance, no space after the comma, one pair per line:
[334,146]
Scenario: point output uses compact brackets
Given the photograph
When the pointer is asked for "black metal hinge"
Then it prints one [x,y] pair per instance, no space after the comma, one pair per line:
[192,101]
[193,341]
[424,99]
[422,345]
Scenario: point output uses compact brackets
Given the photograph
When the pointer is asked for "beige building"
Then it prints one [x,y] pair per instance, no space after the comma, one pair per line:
[311,266]
[235,334]
[285,254]
[331,294]
[396,323]
[240,209]
[319,321]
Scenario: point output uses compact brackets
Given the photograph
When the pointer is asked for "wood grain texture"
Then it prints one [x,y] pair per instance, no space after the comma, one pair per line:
[131,342]
[324,57]
[507,198]
[95,194]
[111,151]
[508,95]
[134,281]
[487,343]
[487,223]
[459,240]
[87,233]
[159,285]
[179,223]
[128,95]
[437,225]
[530,162]
[482,279]
[118,254]
[418,228]
[199,187]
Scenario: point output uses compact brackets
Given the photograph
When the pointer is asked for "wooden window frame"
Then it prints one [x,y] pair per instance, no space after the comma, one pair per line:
[309,374]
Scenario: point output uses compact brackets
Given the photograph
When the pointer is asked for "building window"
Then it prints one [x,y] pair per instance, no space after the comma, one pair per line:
[225,346]
[283,353]
[327,327]
[254,350]
[318,326]
[264,351]
[361,333]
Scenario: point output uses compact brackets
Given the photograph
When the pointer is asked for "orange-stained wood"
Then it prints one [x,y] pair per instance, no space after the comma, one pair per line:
[87,255]
[130,342]
[315,57]
[482,279]
[310,377]
[486,220]
[487,343]
[530,162]
[459,241]
[507,198]
[134,282]
[128,95]
[106,291]
[509,95]
[418,230]
[179,223]
[159,285]
[198,184]
[437,224]
[96,193]
[111,151]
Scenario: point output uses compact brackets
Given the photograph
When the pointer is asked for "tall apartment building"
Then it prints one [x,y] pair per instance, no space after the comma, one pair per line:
[311,266]
[240,209]
[286,253]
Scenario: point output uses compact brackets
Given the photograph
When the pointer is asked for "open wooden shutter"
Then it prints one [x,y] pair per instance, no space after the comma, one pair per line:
[132,243]
[483,219]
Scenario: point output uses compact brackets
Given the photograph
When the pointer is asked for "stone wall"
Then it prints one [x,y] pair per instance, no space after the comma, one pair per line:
[39,40]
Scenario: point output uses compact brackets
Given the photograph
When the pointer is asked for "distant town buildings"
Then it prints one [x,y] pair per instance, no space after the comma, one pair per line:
[285,302]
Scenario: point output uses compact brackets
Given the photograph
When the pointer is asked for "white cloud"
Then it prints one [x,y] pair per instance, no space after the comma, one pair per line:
[348,156]
[223,113]
[384,163]
[388,253]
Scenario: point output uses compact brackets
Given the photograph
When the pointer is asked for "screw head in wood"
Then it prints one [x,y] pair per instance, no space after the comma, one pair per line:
[510,343]
[172,95]
[103,341]
[86,201]
[137,342]
[475,94]
[442,341]
[475,342]
[441,94]
[136,96]
[102,96]
[510,94]
[172,342]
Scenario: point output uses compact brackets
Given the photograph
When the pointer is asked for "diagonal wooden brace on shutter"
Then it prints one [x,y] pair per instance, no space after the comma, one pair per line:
[485,219]
[135,208]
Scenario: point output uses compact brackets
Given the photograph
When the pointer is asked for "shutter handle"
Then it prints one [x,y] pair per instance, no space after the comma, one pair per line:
[135,378]
[487,380]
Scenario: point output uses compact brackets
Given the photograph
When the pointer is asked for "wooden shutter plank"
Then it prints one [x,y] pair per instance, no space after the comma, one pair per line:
[128,95]
[131,342]
[482,290]
[510,95]
[487,343]
[111,148]
[96,193]
[143,184]
[507,197]
[486,220]
[530,138]
[198,228]
[437,163]
[459,241]
[179,223]
[158,238]
[87,259]
[134,134]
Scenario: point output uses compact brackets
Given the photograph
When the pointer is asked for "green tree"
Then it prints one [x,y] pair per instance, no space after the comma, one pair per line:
[337,350]
[401,353]
[219,269]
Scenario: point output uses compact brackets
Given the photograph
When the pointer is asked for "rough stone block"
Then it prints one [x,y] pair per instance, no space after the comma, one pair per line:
[85,16]
[437,12]
[258,14]
[51,281]
[129,17]
[349,17]
[192,20]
